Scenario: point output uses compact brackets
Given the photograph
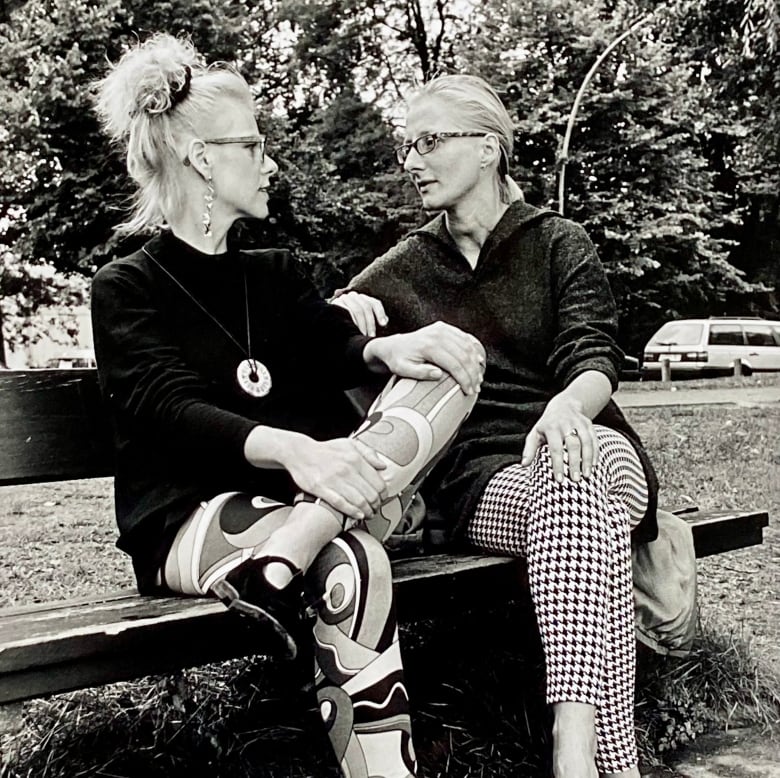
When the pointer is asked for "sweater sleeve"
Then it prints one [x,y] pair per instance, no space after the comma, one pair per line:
[325,335]
[388,279]
[586,311]
[145,381]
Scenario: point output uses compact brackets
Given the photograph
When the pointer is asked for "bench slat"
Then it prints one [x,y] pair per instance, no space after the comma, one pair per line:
[715,532]
[54,427]
[50,649]
[56,647]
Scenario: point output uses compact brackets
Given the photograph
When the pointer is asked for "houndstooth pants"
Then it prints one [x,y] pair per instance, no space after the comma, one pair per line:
[575,537]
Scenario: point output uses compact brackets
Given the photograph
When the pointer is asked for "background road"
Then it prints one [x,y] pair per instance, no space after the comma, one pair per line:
[746,396]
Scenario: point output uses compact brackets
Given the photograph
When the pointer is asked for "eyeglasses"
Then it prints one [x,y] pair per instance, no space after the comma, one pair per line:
[425,144]
[247,140]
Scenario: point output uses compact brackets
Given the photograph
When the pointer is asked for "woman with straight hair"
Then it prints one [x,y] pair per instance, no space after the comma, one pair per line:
[223,372]
[546,466]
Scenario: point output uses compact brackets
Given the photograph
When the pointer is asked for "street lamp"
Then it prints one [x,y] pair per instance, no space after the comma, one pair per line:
[578,99]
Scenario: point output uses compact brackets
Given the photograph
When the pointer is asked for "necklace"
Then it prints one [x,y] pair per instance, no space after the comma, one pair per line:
[252,375]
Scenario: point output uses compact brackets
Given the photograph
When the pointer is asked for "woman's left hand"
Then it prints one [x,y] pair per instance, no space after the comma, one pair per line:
[570,436]
[367,312]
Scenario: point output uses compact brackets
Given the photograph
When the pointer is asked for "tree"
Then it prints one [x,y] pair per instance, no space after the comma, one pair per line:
[340,200]
[63,188]
[376,46]
[735,43]
[673,157]
[639,176]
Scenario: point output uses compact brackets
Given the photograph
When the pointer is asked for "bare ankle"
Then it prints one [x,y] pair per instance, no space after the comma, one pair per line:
[574,740]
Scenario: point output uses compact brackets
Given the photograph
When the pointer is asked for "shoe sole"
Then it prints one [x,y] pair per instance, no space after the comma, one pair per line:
[232,599]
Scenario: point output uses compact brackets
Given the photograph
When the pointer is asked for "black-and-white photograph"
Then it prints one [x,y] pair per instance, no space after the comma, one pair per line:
[389,389]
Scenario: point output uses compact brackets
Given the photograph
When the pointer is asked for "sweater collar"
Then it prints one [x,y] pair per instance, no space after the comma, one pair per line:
[519,215]
[166,247]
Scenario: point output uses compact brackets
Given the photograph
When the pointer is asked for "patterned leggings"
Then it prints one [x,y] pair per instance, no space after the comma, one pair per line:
[358,669]
[575,537]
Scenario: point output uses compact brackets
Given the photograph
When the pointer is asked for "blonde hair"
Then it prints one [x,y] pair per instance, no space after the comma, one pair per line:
[156,97]
[480,108]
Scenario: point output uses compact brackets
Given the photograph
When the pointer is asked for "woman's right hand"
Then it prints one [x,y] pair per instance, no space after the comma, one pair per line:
[343,472]
[426,353]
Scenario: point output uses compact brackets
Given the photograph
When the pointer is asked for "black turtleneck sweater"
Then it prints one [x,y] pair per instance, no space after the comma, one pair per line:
[540,303]
[167,369]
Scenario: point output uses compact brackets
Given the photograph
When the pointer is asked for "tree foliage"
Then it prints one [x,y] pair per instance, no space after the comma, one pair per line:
[639,175]
[673,166]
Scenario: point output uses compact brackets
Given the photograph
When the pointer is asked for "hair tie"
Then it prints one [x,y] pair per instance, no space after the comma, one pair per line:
[184,89]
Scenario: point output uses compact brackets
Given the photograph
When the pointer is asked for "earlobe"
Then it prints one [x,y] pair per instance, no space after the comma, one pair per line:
[196,157]
[491,150]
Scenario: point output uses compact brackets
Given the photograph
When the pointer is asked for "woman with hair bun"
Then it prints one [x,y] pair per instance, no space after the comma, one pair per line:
[223,372]
[546,466]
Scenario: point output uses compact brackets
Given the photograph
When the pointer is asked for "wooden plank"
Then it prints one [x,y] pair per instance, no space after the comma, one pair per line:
[715,532]
[55,647]
[53,427]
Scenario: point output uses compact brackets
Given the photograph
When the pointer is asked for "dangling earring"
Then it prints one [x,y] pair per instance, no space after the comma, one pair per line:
[208,200]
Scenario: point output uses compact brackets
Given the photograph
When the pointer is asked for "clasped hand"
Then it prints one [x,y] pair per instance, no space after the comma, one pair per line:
[424,354]
[344,472]
[428,353]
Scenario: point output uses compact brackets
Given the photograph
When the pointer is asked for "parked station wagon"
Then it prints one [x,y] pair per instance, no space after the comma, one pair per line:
[701,347]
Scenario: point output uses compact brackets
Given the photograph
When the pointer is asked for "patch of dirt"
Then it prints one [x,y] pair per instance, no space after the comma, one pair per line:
[742,753]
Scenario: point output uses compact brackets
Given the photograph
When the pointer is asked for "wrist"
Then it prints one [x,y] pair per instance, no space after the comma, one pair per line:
[374,354]
[568,399]
[270,447]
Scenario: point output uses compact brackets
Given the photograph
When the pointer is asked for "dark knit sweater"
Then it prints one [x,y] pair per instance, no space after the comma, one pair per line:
[541,305]
[168,375]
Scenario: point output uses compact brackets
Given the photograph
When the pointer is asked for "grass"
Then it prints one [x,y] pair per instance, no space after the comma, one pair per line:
[475,683]
[57,542]
[725,382]
[720,686]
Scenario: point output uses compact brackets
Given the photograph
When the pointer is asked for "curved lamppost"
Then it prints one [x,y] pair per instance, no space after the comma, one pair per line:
[578,99]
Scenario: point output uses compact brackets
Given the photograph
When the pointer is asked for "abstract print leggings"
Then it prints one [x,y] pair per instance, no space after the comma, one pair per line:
[575,537]
[358,670]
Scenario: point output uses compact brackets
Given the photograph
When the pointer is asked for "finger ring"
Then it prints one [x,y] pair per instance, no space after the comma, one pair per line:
[573,433]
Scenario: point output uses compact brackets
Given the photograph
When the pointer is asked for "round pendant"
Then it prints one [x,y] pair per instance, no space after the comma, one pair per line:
[254,378]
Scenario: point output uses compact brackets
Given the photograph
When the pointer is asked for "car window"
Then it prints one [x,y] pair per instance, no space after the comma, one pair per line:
[726,335]
[759,335]
[678,333]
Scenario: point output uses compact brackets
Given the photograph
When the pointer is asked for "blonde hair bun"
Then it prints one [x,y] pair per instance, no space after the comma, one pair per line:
[148,79]
[151,103]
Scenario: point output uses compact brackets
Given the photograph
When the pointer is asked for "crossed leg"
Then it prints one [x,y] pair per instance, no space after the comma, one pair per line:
[358,665]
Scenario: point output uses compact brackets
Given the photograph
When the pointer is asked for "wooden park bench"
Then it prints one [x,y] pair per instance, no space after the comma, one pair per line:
[53,429]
